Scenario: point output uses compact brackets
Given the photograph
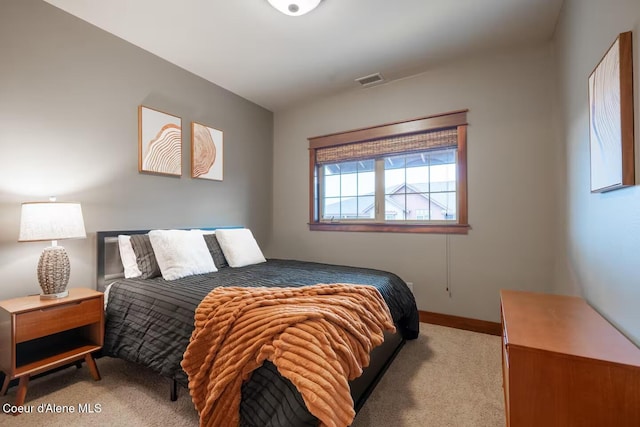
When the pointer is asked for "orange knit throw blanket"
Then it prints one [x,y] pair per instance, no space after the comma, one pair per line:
[317,336]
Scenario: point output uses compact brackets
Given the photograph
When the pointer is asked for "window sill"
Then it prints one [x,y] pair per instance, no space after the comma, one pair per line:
[392,228]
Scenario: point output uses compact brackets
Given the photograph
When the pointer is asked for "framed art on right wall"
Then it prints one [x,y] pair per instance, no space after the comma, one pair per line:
[611,118]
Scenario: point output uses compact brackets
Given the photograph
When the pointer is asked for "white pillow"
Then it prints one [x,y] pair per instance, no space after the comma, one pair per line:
[128,257]
[239,247]
[181,253]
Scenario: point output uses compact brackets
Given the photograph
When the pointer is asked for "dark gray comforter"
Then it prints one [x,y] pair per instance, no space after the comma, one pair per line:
[150,322]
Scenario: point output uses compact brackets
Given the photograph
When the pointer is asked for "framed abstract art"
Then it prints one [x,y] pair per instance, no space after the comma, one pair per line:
[206,152]
[611,118]
[159,142]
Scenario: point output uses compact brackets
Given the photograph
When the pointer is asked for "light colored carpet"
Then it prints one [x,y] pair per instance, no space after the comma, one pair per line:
[447,377]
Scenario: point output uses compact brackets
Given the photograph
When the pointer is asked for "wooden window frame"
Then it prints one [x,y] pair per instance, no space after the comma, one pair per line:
[457,119]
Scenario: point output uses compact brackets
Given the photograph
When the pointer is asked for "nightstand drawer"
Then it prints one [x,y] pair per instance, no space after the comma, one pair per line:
[57,318]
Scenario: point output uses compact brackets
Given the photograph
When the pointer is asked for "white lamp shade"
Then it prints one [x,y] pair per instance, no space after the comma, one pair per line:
[294,7]
[51,221]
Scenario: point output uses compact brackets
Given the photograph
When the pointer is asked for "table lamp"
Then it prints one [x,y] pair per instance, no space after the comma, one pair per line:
[41,221]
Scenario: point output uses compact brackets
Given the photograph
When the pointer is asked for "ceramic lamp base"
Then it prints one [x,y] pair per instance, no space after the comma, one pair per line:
[53,272]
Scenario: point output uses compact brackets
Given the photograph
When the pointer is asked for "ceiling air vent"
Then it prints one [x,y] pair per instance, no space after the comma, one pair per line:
[370,80]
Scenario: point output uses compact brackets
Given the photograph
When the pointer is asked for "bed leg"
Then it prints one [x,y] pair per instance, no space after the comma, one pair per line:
[174,390]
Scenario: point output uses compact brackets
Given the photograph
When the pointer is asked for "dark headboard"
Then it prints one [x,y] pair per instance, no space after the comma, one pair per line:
[109,265]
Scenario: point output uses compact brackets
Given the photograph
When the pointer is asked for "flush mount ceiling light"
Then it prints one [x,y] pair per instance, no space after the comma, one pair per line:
[295,7]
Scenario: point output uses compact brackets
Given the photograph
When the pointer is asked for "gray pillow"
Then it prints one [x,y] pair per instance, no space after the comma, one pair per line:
[145,257]
[216,252]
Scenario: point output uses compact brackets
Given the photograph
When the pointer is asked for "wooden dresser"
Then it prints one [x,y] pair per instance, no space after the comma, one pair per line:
[565,365]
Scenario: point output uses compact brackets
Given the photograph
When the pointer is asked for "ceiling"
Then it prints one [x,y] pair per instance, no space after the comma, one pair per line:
[275,60]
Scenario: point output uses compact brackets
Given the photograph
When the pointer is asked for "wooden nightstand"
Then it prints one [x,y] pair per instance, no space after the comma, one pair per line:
[38,335]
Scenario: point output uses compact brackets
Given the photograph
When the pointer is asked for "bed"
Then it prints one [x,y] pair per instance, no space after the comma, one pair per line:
[149,322]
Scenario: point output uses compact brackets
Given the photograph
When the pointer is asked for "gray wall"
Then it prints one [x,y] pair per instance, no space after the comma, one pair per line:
[69,94]
[511,170]
[600,245]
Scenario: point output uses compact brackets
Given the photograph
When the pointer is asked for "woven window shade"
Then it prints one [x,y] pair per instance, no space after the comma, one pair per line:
[443,138]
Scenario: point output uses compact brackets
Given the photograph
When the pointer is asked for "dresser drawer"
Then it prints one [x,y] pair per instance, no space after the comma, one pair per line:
[50,320]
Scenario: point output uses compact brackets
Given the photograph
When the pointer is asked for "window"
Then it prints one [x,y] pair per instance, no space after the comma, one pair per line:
[401,177]
[349,190]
